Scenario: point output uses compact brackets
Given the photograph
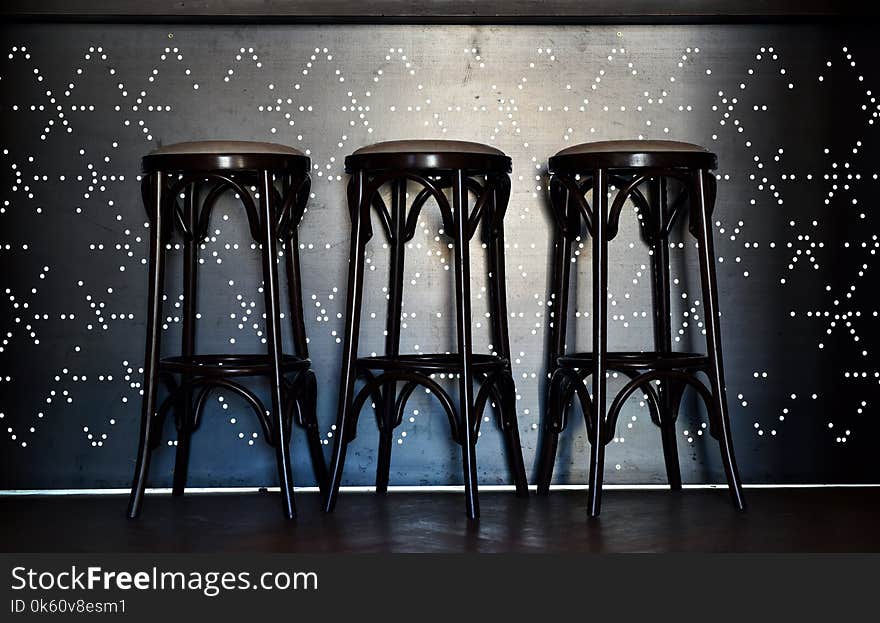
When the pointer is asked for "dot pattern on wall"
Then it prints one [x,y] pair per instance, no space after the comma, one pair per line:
[791,111]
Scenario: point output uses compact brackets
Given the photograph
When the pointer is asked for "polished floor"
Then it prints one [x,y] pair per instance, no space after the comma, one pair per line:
[777,520]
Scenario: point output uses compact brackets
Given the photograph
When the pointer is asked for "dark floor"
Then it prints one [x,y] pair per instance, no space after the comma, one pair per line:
[827,519]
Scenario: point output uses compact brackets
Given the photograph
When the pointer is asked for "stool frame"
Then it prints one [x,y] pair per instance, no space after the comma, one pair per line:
[573,177]
[433,173]
[283,186]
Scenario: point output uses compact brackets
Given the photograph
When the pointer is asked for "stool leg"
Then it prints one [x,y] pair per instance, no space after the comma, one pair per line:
[600,338]
[510,428]
[294,296]
[359,235]
[308,403]
[151,357]
[703,212]
[308,398]
[668,412]
[383,461]
[273,340]
[392,334]
[559,279]
[188,345]
[663,332]
[463,321]
[554,422]
[501,339]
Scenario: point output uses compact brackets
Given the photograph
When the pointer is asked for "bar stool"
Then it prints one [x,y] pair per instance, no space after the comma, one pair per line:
[215,167]
[662,375]
[464,169]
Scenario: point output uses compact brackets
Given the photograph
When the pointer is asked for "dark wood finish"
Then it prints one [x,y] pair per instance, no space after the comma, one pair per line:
[360,234]
[779,520]
[668,394]
[702,211]
[269,256]
[293,392]
[573,177]
[188,339]
[443,11]
[462,173]
[155,196]
[600,339]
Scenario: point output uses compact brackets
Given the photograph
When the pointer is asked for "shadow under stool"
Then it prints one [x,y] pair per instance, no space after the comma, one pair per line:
[201,172]
[438,169]
[662,375]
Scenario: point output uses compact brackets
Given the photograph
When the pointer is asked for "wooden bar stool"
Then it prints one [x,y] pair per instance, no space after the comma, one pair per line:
[662,375]
[434,167]
[281,175]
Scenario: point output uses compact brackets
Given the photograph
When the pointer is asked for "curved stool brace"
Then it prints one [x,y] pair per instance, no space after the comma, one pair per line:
[413,378]
[378,204]
[223,184]
[400,405]
[482,194]
[412,220]
[647,377]
[210,383]
[503,391]
[554,422]
[293,206]
[216,191]
[654,229]
[487,388]
[678,206]
[582,374]
[568,223]
[676,393]
[649,392]
[650,395]
[161,413]
[201,401]
[494,226]
[636,381]
[490,385]
[575,196]
[628,188]
[378,398]
[432,189]
[564,384]
[575,387]
[629,191]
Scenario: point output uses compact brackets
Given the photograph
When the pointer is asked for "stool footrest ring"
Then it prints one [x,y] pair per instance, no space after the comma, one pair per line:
[430,363]
[638,360]
[230,365]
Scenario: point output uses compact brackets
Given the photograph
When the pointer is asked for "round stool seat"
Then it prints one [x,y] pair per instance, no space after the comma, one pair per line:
[632,154]
[217,155]
[426,154]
